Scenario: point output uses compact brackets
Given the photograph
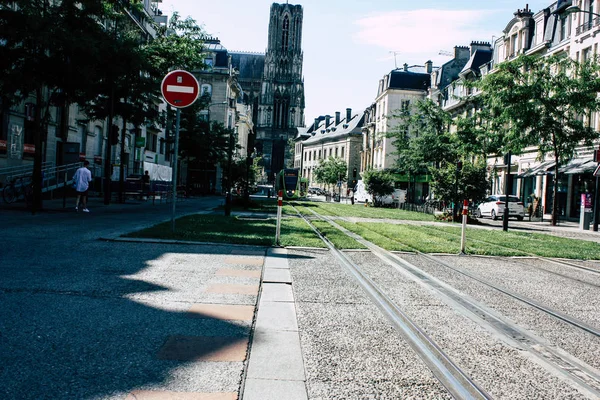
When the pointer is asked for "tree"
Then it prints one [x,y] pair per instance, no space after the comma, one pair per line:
[331,170]
[51,54]
[543,103]
[454,184]
[378,183]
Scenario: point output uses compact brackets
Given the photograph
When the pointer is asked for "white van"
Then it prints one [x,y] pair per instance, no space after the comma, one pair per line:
[360,193]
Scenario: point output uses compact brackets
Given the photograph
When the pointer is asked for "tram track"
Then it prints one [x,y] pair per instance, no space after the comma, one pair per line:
[457,382]
[581,375]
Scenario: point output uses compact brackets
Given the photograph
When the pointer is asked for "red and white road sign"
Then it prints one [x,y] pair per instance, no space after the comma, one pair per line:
[180,88]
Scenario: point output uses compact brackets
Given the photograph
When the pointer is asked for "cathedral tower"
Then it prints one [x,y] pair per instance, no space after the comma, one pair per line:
[281,100]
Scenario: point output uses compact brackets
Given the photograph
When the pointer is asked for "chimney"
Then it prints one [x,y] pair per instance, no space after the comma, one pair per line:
[316,124]
[337,118]
[429,66]
[327,120]
[348,115]
[405,67]
[462,52]
[480,46]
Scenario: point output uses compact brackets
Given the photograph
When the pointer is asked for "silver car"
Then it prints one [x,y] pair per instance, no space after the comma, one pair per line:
[493,207]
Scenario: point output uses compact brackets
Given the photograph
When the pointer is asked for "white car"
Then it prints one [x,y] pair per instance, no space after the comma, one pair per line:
[493,207]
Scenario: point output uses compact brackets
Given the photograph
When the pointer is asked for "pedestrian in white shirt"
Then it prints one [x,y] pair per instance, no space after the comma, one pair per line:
[81,180]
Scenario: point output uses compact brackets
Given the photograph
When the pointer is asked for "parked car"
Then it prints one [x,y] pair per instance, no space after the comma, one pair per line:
[493,207]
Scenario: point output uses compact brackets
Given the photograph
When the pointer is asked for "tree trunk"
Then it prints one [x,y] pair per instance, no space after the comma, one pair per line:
[121,166]
[555,194]
[36,204]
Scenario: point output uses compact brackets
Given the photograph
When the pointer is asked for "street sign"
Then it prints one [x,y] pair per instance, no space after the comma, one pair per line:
[180,88]
[597,171]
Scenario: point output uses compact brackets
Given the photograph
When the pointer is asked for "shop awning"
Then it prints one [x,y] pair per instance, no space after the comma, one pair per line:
[541,169]
[579,166]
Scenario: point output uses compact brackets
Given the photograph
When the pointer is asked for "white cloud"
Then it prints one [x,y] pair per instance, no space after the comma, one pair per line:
[423,32]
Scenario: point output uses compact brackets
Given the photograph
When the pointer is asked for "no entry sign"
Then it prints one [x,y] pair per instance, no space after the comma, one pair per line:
[180,88]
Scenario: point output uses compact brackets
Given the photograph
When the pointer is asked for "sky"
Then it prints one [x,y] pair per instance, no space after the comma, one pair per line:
[349,45]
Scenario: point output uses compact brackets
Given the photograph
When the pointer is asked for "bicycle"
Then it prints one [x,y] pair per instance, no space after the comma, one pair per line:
[17,188]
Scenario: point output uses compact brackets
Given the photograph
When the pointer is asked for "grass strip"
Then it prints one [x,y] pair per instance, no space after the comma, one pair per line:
[540,244]
[357,210]
[339,239]
[411,236]
[233,230]
[296,232]
[374,237]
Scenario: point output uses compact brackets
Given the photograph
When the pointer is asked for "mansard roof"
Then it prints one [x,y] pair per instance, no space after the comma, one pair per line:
[250,65]
[478,59]
[400,79]
[336,132]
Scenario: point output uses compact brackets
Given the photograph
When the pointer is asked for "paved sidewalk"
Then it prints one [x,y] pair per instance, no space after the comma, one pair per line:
[103,319]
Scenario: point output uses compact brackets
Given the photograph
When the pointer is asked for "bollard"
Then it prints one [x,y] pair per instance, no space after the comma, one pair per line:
[464,226]
[279,206]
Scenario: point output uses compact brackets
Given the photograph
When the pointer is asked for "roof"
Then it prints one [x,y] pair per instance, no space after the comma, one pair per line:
[250,65]
[408,80]
[479,58]
[336,132]
[540,169]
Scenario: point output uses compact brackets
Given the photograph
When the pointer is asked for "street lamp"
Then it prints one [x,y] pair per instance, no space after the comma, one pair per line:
[575,9]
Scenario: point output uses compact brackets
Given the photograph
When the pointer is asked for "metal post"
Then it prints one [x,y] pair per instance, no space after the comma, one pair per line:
[279,206]
[463,238]
[175,162]
[595,224]
[228,186]
[107,155]
[65,190]
[506,190]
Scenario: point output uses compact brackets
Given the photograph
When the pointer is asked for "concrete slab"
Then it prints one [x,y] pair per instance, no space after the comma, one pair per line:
[277,258]
[243,273]
[239,260]
[269,389]
[204,348]
[222,311]
[276,355]
[233,289]
[277,275]
[277,292]
[276,317]
[164,395]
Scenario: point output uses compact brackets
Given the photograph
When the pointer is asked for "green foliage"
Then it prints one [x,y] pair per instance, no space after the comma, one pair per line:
[378,183]
[331,170]
[539,102]
[469,183]
[421,138]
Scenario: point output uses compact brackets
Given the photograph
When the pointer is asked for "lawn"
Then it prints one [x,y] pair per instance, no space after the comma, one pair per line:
[234,230]
[359,210]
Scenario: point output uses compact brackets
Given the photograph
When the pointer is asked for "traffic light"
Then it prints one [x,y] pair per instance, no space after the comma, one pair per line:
[114,135]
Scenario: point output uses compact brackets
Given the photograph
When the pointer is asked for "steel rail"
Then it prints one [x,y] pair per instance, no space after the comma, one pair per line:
[586,378]
[458,384]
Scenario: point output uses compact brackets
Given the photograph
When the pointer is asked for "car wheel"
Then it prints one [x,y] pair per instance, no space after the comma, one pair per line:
[493,215]
[477,213]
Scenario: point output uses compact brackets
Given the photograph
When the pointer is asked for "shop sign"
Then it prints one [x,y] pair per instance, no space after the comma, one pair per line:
[28,148]
[586,202]
[140,141]
[98,160]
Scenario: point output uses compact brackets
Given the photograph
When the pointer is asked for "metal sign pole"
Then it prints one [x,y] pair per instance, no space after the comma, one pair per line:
[279,206]
[175,162]
[463,239]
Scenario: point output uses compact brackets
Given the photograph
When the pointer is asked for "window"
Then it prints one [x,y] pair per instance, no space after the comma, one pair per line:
[206,90]
[586,54]
[285,34]
[330,150]
[151,141]
[319,154]
[305,155]
[208,62]
[162,146]
[563,28]
[342,152]
[405,105]
[336,152]
[309,156]
[315,155]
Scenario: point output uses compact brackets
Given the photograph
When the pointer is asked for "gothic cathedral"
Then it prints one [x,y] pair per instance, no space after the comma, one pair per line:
[281,98]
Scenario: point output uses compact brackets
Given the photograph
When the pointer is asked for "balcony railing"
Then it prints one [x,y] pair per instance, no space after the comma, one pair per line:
[587,26]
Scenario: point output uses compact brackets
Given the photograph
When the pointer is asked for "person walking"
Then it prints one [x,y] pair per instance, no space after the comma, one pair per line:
[81,180]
